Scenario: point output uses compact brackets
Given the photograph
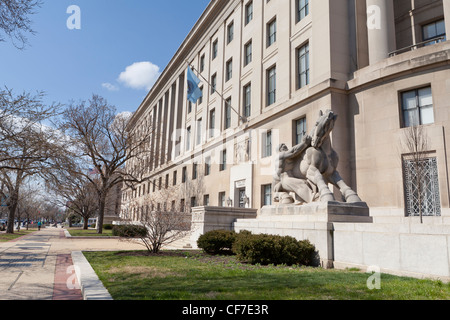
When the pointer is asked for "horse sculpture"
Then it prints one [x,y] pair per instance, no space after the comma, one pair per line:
[309,167]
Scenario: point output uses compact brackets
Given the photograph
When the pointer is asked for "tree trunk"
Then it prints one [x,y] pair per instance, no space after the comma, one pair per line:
[85,224]
[11,217]
[101,212]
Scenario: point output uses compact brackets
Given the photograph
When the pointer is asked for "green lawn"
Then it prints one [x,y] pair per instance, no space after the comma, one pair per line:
[184,275]
[4,237]
[79,232]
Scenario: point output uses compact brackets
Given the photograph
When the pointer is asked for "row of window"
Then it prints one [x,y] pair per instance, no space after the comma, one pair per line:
[222,201]
[303,79]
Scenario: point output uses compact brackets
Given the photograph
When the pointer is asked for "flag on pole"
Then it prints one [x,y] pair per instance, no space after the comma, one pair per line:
[194,92]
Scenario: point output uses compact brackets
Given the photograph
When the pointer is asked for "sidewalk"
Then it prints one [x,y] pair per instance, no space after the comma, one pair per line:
[40,266]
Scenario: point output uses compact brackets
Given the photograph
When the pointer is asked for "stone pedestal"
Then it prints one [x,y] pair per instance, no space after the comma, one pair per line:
[314,222]
[206,219]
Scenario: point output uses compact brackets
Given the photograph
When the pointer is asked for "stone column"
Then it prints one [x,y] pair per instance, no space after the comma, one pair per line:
[381,29]
[447,18]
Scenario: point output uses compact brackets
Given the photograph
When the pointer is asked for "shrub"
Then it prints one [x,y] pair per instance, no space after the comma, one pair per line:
[129,231]
[217,241]
[108,226]
[267,249]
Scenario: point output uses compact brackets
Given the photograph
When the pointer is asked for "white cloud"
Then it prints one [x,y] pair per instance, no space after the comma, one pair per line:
[140,75]
[110,86]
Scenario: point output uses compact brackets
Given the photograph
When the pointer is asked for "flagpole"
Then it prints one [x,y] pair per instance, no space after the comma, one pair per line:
[243,119]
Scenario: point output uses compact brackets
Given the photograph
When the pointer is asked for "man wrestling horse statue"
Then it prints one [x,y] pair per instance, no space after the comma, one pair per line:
[310,166]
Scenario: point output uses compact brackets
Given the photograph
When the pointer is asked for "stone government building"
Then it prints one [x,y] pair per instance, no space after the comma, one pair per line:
[268,67]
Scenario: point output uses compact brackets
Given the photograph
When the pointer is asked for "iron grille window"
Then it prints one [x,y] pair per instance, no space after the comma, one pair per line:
[421,187]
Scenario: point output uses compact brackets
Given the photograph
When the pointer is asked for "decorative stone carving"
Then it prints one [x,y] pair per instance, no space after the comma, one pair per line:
[305,171]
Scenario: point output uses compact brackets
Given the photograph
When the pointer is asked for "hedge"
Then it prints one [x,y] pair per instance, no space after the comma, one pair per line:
[261,249]
[217,241]
[129,231]
[267,249]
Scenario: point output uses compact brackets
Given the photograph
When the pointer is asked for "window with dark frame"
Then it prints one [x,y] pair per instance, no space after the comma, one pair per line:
[434,30]
[271,85]
[302,9]
[303,66]
[227,115]
[215,49]
[300,130]
[229,70]
[271,32]
[266,191]
[230,32]
[248,100]
[248,12]
[248,53]
[267,144]
[417,107]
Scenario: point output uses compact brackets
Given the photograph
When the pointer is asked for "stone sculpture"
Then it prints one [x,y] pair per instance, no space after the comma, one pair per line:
[308,168]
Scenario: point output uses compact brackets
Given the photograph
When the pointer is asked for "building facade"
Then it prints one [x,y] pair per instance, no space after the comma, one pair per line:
[267,68]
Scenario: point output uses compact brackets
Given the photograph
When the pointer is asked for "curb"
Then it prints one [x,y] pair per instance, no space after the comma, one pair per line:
[69,236]
[91,286]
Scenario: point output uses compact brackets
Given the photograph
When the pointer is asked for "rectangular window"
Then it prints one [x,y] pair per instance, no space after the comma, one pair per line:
[174,182]
[271,85]
[229,70]
[199,131]
[300,130]
[247,100]
[267,144]
[182,205]
[421,182]
[267,194]
[207,166]
[302,9]
[188,138]
[222,200]
[200,100]
[167,181]
[227,115]
[206,200]
[184,175]
[248,53]
[189,106]
[215,49]
[194,171]
[230,32]
[417,107]
[212,122]
[223,160]
[249,12]
[434,30]
[213,83]
[202,63]
[271,32]
[303,66]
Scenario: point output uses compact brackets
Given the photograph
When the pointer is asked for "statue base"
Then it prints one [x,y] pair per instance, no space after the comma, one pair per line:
[331,211]
[314,222]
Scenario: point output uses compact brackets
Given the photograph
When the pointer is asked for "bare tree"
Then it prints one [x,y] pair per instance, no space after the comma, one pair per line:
[102,138]
[69,189]
[15,20]
[415,143]
[27,147]
[164,222]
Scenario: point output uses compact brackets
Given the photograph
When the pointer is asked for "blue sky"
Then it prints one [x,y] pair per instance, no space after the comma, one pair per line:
[117,53]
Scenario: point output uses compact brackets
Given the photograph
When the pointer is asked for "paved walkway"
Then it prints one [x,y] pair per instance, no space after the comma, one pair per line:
[40,267]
